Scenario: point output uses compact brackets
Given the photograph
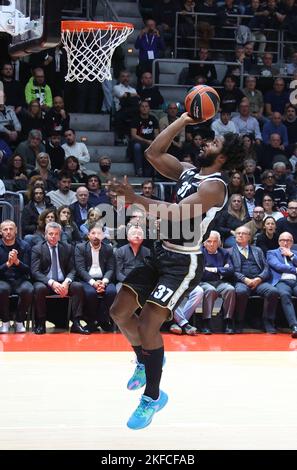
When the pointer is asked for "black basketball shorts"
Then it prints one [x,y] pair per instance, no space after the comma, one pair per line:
[165,277]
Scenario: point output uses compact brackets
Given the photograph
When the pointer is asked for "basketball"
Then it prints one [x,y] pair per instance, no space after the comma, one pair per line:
[202,102]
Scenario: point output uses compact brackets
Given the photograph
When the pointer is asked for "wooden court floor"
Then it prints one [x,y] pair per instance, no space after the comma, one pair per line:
[63,391]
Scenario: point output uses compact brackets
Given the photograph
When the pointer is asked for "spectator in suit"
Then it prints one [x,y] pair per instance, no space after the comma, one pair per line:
[249,198]
[14,276]
[252,273]
[81,207]
[218,271]
[283,265]
[53,271]
[95,267]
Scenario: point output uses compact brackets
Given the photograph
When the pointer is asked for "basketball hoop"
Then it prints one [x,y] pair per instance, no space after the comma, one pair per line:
[90,46]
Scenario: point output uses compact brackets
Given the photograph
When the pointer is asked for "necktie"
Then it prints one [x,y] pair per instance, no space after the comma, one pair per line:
[54,264]
[245,252]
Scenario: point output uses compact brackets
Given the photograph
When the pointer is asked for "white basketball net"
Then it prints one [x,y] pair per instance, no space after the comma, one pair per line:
[89,52]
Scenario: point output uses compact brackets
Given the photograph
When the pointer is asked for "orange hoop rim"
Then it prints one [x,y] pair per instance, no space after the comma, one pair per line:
[76,25]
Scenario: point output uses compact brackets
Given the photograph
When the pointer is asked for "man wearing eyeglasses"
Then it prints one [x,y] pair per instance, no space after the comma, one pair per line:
[289,223]
[251,272]
[283,265]
[274,190]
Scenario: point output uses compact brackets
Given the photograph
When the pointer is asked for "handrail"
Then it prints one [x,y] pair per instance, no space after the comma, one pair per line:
[238,17]
[186,62]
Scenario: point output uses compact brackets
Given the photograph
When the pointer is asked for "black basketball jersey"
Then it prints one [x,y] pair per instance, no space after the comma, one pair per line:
[189,183]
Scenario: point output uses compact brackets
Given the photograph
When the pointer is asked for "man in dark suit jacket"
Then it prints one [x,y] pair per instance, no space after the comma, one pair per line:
[252,272]
[80,208]
[14,276]
[283,265]
[53,271]
[95,267]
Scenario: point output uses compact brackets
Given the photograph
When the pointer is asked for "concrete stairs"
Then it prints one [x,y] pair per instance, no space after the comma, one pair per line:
[94,131]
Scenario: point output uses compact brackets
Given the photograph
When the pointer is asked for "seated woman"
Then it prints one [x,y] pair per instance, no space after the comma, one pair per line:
[43,169]
[269,207]
[16,171]
[268,239]
[230,219]
[37,204]
[69,228]
[236,183]
[94,215]
[32,119]
[72,167]
[48,215]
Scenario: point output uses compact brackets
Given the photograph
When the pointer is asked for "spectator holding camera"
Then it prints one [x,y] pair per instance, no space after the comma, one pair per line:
[150,44]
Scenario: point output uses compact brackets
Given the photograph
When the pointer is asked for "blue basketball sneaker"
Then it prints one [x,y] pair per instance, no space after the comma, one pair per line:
[145,411]
[138,379]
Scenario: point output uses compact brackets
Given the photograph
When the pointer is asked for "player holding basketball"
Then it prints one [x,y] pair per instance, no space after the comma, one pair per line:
[176,265]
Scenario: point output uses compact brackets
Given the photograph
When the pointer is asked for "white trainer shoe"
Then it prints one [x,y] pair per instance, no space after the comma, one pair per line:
[4,328]
[19,327]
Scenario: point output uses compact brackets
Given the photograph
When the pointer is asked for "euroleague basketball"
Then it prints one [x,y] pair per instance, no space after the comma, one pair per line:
[202,102]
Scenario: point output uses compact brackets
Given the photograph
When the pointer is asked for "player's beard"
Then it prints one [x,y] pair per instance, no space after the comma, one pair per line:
[205,161]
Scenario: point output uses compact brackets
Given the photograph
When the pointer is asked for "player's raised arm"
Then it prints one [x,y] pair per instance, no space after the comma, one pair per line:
[157,155]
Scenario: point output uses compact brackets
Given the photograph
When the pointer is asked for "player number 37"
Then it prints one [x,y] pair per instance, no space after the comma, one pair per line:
[163,293]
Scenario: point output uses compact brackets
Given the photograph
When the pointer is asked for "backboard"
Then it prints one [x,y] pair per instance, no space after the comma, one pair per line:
[43,28]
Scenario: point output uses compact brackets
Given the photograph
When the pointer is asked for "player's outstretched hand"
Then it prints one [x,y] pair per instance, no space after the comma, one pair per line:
[123,189]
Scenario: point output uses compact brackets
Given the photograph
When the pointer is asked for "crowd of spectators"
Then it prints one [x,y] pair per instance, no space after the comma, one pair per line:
[66,204]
